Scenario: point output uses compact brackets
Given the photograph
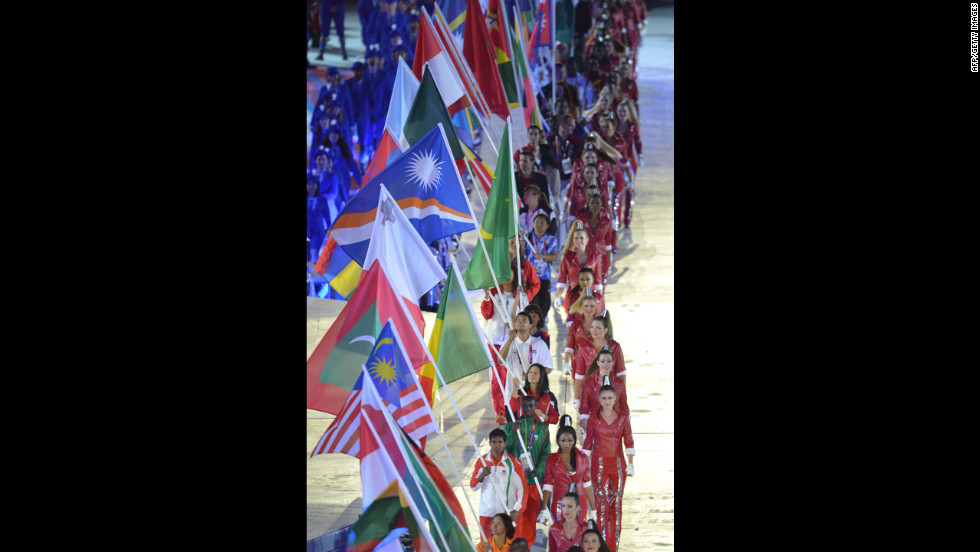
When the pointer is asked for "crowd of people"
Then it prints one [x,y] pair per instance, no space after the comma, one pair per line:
[575,181]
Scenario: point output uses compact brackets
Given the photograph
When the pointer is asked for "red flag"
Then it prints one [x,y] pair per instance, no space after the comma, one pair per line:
[332,369]
[429,52]
[480,56]
[386,146]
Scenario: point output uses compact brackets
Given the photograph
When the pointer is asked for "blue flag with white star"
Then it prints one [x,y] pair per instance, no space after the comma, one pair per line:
[424,182]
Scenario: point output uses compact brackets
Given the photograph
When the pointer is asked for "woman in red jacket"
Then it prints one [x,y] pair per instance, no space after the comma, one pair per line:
[569,466]
[577,255]
[536,385]
[600,337]
[586,288]
[601,373]
[608,432]
[601,230]
[579,327]
[607,125]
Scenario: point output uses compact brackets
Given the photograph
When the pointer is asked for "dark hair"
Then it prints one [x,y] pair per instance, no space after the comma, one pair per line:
[519,545]
[603,547]
[533,308]
[607,322]
[509,524]
[574,548]
[523,313]
[317,181]
[562,429]
[526,153]
[498,433]
[542,383]
[594,367]
[578,501]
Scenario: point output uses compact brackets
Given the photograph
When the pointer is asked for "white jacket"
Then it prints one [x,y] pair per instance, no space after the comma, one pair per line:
[507,475]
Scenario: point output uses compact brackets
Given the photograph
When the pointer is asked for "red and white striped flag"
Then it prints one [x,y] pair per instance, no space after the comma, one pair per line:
[396,382]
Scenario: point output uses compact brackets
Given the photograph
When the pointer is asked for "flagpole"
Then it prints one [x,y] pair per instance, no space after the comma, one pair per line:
[507,42]
[476,226]
[517,229]
[467,92]
[476,178]
[453,400]
[415,477]
[459,413]
[551,32]
[442,438]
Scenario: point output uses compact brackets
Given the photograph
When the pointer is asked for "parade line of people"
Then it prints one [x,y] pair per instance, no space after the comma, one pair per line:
[576,185]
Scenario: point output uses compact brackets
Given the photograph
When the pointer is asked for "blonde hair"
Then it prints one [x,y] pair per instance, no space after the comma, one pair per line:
[577,305]
[570,240]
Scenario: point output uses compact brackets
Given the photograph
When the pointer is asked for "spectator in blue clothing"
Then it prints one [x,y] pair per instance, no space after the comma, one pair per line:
[413,30]
[344,163]
[400,52]
[365,9]
[338,119]
[375,75]
[388,20]
[542,250]
[336,89]
[331,10]
[331,185]
[363,97]
[316,210]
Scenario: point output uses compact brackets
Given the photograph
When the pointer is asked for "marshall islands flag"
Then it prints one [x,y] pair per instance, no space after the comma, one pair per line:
[424,182]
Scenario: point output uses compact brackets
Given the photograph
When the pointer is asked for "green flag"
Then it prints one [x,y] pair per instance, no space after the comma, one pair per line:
[457,343]
[498,226]
[428,109]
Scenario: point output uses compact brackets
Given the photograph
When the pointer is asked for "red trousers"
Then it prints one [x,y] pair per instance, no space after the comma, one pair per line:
[527,519]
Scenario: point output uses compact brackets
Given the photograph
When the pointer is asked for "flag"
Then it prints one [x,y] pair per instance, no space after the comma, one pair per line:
[541,34]
[402,95]
[500,33]
[498,41]
[429,110]
[394,377]
[498,225]
[338,268]
[428,52]
[388,454]
[388,150]
[456,15]
[532,114]
[408,262]
[423,184]
[379,524]
[457,340]
[453,44]
[480,171]
[526,13]
[479,54]
[330,370]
